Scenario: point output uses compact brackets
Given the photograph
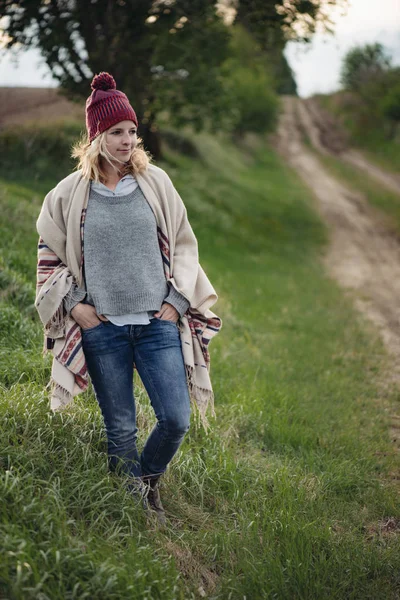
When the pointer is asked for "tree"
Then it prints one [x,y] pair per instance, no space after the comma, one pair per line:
[251,88]
[374,84]
[283,75]
[363,65]
[274,22]
[148,46]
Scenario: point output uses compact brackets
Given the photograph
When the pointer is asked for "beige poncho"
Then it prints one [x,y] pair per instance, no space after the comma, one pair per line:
[60,259]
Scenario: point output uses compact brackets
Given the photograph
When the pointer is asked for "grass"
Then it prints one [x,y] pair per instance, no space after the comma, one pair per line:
[376,194]
[382,151]
[387,202]
[290,494]
[368,135]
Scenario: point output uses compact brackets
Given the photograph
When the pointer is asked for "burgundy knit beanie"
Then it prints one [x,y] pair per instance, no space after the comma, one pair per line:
[106,106]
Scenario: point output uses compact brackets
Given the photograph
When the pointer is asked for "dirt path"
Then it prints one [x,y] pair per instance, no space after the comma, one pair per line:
[364,254]
[327,137]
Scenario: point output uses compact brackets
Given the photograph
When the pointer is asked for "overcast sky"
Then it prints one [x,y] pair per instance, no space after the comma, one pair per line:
[316,67]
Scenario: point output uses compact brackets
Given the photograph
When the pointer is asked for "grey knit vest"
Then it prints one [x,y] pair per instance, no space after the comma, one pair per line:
[123,264]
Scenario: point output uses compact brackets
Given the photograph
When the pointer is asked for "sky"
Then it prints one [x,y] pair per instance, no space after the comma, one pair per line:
[316,66]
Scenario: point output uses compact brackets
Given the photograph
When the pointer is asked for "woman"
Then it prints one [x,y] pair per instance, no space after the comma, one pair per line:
[119,286]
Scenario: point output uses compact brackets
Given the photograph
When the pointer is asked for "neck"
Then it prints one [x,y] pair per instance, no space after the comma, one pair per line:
[111,174]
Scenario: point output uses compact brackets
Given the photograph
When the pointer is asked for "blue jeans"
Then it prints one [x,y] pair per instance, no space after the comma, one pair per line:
[110,351]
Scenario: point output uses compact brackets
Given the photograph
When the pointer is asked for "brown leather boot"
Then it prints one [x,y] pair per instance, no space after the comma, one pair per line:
[153,497]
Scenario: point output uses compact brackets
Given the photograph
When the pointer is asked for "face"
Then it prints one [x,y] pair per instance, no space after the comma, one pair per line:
[121,139]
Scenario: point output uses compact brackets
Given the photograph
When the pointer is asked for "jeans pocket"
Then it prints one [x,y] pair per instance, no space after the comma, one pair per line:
[87,329]
[166,321]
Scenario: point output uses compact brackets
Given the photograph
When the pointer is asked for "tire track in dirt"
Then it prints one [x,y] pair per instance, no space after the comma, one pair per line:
[364,253]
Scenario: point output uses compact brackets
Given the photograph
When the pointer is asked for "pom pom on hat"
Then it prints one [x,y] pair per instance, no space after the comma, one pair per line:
[106,106]
[103,81]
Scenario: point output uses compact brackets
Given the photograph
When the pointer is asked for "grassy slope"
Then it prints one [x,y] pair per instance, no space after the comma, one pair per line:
[287,495]
[371,139]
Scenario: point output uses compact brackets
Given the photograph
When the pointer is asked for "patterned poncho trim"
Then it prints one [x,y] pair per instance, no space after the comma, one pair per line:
[63,335]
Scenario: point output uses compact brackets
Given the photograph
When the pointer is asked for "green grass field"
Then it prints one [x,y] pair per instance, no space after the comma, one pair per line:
[291,494]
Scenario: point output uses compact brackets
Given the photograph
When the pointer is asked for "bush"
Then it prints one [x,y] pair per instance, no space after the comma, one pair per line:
[390,106]
[31,146]
[364,64]
[375,85]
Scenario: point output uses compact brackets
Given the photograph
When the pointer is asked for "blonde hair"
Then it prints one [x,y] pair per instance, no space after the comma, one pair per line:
[91,156]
